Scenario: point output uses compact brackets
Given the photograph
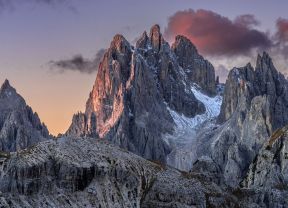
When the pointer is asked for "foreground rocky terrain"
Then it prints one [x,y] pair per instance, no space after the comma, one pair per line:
[158,131]
[84,172]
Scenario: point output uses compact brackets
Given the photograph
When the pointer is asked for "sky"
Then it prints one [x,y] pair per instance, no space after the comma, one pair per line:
[49,49]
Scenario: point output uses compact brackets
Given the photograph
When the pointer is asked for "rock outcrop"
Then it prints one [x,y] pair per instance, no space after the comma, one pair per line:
[137,88]
[198,70]
[20,127]
[267,177]
[50,174]
[270,167]
[265,80]
[254,105]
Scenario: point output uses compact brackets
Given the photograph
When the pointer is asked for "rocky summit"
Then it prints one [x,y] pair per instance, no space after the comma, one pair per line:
[254,106]
[20,127]
[141,92]
[158,131]
[99,175]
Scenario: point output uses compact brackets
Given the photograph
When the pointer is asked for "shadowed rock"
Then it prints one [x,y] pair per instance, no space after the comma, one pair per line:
[20,127]
[254,106]
[133,91]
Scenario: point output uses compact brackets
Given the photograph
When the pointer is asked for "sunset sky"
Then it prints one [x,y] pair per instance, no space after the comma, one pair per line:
[39,37]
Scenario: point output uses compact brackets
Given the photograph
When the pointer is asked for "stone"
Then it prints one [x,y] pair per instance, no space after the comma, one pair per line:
[254,106]
[20,127]
[134,90]
[198,70]
[100,174]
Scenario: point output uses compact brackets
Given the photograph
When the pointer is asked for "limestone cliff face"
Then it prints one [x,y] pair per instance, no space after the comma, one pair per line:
[268,173]
[265,80]
[20,127]
[133,91]
[50,174]
[254,105]
[198,69]
[270,167]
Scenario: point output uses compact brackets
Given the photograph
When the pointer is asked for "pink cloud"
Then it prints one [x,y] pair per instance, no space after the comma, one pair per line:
[214,34]
[282,29]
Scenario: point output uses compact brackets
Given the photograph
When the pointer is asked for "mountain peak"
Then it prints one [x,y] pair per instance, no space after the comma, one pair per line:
[156,37]
[138,91]
[119,43]
[19,118]
[182,38]
[155,29]
[142,41]
[5,85]
[264,59]
[182,41]
[118,38]
[7,89]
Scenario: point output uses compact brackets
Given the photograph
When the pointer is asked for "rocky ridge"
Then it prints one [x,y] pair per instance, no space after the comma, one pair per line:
[99,175]
[254,106]
[138,89]
[20,127]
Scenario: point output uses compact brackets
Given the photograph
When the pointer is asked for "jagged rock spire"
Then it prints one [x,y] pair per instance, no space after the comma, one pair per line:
[264,59]
[197,68]
[156,37]
[7,87]
[129,102]
[20,127]
[6,84]
[143,41]
[254,106]
[120,43]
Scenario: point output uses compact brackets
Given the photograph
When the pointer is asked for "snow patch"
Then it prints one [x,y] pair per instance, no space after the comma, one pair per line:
[183,140]
[212,106]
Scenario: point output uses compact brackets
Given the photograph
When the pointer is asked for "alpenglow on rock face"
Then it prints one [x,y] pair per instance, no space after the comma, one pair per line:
[20,127]
[136,89]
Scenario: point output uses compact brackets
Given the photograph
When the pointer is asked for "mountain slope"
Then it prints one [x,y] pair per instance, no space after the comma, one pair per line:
[136,89]
[254,106]
[20,127]
[99,175]
[270,167]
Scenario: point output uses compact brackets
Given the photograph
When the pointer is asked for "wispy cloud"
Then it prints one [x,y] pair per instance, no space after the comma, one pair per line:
[78,63]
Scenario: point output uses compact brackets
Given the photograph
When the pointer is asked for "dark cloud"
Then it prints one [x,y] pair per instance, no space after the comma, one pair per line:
[78,63]
[217,35]
[246,20]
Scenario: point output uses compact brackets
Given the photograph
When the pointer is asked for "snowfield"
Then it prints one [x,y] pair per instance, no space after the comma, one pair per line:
[183,138]
[212,105]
